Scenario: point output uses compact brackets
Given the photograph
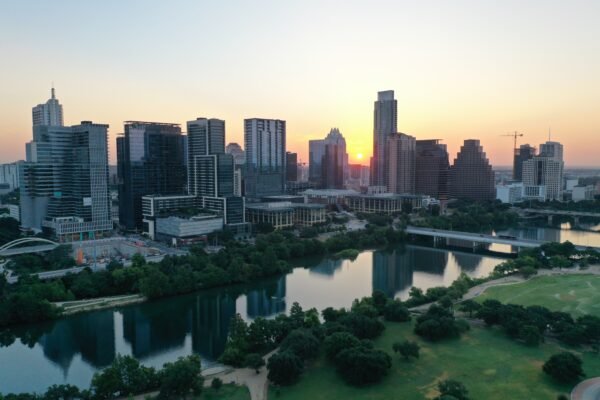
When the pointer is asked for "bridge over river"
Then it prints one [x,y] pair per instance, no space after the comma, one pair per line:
[481,238]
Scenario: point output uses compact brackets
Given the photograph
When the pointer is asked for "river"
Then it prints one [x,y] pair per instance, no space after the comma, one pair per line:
[71,349]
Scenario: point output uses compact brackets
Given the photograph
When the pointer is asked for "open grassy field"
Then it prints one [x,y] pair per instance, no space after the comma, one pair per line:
[575,294]
[489,364]
[226,392]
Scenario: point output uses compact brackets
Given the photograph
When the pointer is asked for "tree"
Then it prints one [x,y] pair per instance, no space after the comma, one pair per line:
[395,311]
[123,377]
[137,260]
[302,343]
[216,384]
[380,300]
[407,349]
[362,326]
[454,389]
[254,361]
[362,365]
[180,378]
[564,367]
[470,306]
[531,335]
[337,342]
[284,368]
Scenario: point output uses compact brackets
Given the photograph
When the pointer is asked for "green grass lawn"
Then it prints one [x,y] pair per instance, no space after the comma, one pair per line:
[226,392]
[489,364]
[575,294]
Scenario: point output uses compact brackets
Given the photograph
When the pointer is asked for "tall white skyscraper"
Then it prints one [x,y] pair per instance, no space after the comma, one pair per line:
[546,169]
[264,143]
[49,113]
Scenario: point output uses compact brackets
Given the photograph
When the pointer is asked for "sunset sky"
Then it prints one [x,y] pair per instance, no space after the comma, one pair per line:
[460,69]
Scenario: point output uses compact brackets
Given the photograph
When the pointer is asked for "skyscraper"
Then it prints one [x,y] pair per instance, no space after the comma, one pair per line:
[150,161]
[400,153]
[211,170]
[64,181]
[471,176]
[431,171]
[291,167]
[49,113]
[264,143]
[523,153]
[239,157]
[546,169]
[385,123]
[328,161]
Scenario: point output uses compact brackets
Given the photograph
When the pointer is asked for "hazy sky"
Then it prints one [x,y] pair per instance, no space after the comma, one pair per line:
[460,69]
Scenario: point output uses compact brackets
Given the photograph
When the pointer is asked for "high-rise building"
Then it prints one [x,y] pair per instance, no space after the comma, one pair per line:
[9,174]
[206,136]
[291,167]
[385,123]
[49,113]
[431,171]
[358,177]
[239,157]
[64,181]
[546,169]
[471,176]
[523,153]
[150,161]
[211,170]
[264,143]
[328,161]
[400,155]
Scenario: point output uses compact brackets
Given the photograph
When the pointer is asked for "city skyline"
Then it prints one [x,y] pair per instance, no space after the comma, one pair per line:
[527,67]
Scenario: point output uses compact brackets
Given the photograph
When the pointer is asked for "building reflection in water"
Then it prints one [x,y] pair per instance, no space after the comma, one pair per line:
[268,300]
[211,315]
[467,262]
[393,270]
[92,335]
[152,328]
[327,267]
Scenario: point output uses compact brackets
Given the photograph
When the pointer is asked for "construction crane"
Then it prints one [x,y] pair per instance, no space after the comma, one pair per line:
[514,135]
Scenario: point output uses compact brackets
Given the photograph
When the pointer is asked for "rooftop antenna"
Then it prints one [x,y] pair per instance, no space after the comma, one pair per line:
[549,134]
[52,91]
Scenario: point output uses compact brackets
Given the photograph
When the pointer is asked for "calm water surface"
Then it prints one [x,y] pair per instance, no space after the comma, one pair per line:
[72,349]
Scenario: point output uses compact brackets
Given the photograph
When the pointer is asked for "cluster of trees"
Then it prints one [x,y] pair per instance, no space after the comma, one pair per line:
[9,230]
[452,390]
[473,217]
[530,324]
[372,236]
[585,205]
[549,255]
[345,336]
[127,377]
[438,323]
[59,258]
[443,294]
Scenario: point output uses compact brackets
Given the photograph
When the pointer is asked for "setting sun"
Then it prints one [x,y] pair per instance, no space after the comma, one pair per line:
[359,156]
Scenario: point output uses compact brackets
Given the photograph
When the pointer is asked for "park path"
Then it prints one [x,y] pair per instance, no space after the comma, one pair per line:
[587,390]
[257,384]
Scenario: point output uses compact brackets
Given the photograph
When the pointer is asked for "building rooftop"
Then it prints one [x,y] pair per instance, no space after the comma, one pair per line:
[330,192]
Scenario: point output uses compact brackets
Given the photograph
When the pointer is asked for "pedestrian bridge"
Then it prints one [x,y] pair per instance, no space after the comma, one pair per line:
[27,245]
[480,237]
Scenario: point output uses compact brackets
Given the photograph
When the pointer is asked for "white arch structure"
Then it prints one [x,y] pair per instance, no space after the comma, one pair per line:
[18,242]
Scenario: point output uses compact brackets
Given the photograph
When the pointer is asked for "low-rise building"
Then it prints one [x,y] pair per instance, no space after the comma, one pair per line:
[176,229]
[583,192]
[510,193]
[285,214]
[328,196]
[386,203]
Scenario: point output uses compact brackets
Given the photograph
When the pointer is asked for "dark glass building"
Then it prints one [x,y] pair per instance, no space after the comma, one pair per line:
[471,176]
[431,172]
[291,167]
[150,161]
[523,153]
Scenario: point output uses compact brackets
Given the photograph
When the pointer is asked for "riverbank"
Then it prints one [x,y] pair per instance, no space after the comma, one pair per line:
[79,306]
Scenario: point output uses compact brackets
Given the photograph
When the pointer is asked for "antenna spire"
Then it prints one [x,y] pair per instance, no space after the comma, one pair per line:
[52,91]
